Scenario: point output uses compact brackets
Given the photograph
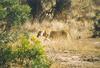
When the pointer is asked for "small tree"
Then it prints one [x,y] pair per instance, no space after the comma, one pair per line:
[12,12]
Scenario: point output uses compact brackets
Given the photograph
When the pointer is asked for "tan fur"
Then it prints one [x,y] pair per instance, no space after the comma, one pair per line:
[57,34]
[53,34]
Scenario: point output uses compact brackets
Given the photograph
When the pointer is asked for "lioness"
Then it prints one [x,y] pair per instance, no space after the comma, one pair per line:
[53,34]
[58,34]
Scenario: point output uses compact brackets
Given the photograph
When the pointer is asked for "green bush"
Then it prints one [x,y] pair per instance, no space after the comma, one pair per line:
[3,13]
[12,11]
[5,55]
[26,51]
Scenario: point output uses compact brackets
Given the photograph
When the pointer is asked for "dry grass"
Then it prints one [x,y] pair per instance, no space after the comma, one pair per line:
[61,43]
[61,50]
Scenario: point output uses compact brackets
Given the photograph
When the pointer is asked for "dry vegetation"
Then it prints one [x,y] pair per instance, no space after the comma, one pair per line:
[66,48]
[67,39]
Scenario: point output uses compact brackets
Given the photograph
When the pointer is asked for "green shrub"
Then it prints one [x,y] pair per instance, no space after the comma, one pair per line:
[26,51]
[5,55]
[12,11]
[3,13]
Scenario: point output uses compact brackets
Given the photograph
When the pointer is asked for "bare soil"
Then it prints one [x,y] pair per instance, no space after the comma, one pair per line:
[83,53]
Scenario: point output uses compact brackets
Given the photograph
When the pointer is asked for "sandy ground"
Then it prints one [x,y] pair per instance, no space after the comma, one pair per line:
[83,53]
